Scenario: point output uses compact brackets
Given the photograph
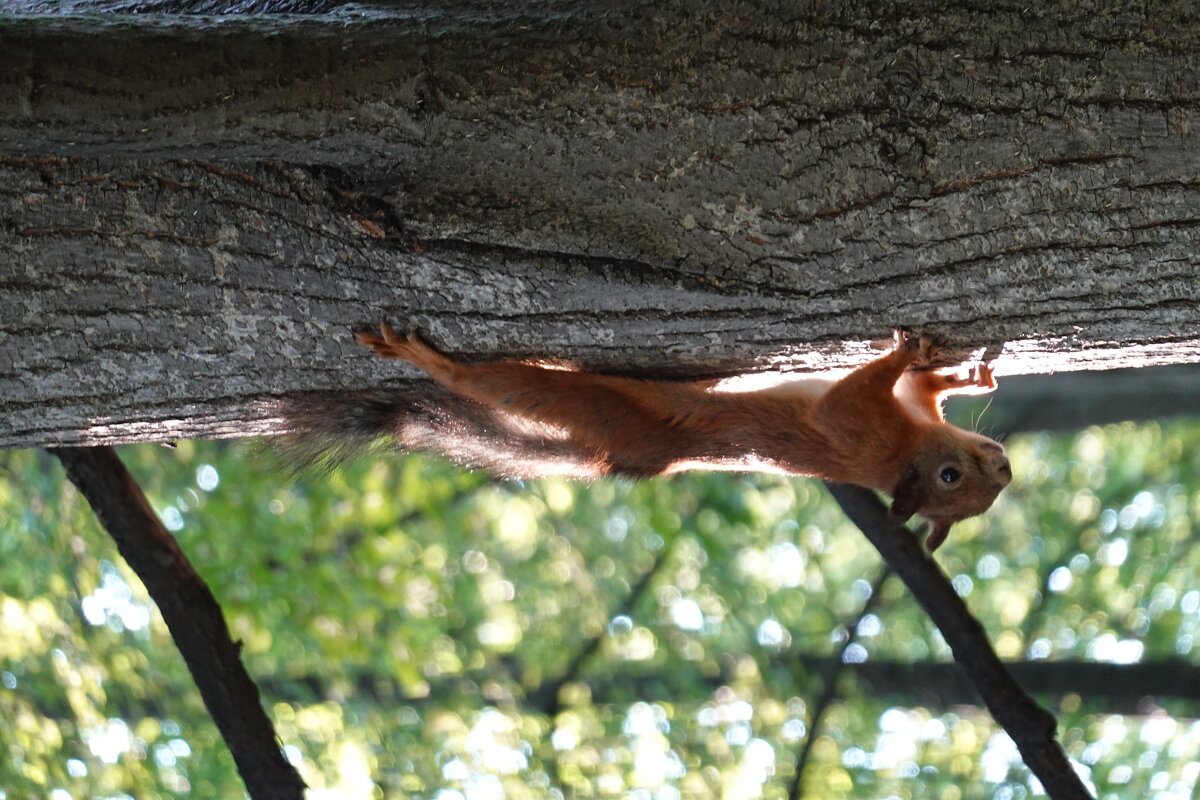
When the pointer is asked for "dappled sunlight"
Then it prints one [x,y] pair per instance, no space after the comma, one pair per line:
[422,632]
[112,603]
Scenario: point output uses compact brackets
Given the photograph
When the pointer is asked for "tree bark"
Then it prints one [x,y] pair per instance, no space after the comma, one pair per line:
[194,214]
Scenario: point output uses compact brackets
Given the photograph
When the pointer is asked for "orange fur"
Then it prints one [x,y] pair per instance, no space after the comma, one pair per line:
[880,426]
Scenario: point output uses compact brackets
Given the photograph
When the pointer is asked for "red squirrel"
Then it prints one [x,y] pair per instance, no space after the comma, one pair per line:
[880,426]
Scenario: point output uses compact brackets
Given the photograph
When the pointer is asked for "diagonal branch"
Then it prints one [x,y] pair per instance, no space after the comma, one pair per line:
[192,615]
[1030,726]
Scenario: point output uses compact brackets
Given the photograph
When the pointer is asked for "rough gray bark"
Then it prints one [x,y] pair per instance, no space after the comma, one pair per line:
[677,190]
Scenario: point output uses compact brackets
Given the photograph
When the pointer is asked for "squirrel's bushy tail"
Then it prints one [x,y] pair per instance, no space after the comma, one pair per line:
[324,430]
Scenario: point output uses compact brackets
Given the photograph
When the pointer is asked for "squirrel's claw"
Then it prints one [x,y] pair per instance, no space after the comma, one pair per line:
[388,345]
[926,347]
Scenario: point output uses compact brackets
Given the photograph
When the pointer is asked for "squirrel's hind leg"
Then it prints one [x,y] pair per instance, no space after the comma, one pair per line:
[409,347]
[534,392]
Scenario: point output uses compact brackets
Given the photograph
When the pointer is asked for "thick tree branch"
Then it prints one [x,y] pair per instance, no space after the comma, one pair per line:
[671,188]
[1031,727]
[1076,400]
[192,615]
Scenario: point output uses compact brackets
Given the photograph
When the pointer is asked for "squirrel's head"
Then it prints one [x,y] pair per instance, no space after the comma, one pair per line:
[953,475]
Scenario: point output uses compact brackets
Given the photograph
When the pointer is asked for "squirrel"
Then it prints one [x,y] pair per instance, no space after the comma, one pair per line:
[880,426]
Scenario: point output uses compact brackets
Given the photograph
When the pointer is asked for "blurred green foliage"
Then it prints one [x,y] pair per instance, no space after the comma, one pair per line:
[420,631]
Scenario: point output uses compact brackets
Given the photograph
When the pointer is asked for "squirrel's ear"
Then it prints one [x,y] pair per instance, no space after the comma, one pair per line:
[908,495]
[937,535]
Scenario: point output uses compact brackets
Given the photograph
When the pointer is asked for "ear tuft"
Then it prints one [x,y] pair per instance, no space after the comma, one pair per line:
[937,535]
[909,494]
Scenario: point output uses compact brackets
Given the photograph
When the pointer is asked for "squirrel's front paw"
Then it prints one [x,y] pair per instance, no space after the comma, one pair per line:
[906,340]
[925,347]
[978,379]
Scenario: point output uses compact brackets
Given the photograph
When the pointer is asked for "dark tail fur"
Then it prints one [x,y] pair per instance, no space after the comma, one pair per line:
[327,429]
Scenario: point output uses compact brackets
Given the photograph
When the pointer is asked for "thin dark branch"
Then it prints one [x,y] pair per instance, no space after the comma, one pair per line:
[1031,727]
[350,539]
[192,615]
[833,669]
[1029,625]
[545,697]
[1135,689]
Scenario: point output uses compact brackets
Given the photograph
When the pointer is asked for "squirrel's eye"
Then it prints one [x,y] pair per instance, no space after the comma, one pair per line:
[950,475]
